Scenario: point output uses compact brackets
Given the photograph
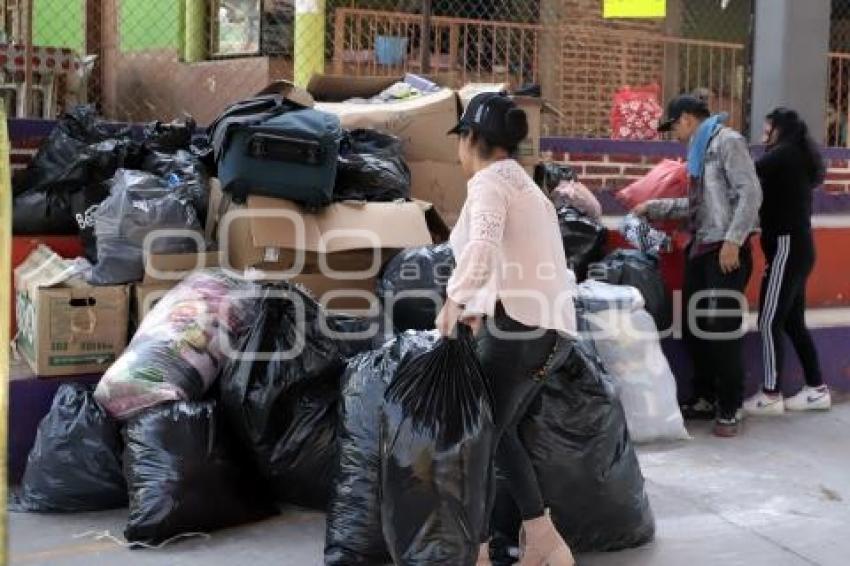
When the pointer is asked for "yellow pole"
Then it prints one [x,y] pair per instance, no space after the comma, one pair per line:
[5,316]
[195,31]
[309,40]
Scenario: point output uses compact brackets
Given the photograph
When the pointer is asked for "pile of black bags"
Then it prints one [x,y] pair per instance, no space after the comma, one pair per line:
[392,438]
[75,167]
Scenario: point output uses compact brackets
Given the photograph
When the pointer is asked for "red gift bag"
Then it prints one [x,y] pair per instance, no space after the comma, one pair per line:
[636,113]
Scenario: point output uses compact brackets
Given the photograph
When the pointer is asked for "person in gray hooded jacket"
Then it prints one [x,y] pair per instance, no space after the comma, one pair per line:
[722,208]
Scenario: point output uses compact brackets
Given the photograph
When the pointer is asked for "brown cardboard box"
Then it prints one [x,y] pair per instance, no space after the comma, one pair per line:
[170,269]
[66,327]
[421,123]
[278,235]
[251,240]
[341,295]
[162,273]
[529,150]
[442,184]
[145,298]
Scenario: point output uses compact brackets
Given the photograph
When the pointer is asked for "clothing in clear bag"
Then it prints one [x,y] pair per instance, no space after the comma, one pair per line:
[626,340]
[180,345]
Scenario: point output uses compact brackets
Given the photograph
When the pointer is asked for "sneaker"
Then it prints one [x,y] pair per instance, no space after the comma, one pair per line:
[726,427]
[764,405]
[810,399]
[699,410]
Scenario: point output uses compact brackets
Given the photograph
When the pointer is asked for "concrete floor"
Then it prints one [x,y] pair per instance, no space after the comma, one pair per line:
[776,496]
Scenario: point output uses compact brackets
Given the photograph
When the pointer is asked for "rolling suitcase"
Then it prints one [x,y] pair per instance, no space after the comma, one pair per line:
[290,155]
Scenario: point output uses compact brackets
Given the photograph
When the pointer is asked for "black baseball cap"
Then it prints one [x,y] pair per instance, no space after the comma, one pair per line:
[683,104]
[496,117]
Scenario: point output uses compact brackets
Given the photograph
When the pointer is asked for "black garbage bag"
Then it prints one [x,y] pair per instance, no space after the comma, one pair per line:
[58,206]
[282,404]
[639,270]
[548,176]
[75,463]
[576,435]
[371,167]
[183,476]
[174,136]
[140,204]
[355,334]
[58,162]
[354,536]
[412,285]
[436,437]
[584,240]
[182,168]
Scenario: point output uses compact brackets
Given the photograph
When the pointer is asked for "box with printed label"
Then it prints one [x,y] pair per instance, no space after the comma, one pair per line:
[66,327]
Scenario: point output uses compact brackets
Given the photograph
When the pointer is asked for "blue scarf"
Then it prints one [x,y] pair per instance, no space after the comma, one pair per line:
[699,144]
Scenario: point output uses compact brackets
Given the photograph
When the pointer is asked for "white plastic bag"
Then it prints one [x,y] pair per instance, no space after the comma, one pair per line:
[627,342]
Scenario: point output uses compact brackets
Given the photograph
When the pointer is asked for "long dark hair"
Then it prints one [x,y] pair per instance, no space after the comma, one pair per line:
[793,131]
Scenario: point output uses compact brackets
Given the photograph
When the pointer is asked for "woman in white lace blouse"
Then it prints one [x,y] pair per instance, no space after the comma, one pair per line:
[512,286]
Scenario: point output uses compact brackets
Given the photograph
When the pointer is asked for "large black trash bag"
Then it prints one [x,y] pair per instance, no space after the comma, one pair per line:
[183,475]
[412,285]
[354,536]
[75,463]
[58,162]
[182,168]
[371,168]
[639,270]
[576,435]
[140,204]
[283,403]
[584,240]
[57,206]
[436,440]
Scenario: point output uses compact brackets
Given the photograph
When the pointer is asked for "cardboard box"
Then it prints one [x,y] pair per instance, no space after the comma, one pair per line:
[353,238]
[66,327]
[529,150]
[422,123]
[170,269]
[162,273]
[145,298]
[442,184]
[342,295]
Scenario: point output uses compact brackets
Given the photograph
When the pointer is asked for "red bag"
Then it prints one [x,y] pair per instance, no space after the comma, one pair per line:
[636,113]
[668,179]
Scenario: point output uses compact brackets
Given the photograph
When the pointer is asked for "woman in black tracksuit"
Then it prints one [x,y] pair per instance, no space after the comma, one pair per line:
[790,168]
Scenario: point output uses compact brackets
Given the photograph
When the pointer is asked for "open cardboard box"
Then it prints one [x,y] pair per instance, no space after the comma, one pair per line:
[65,326]
[340,248]
[422,123]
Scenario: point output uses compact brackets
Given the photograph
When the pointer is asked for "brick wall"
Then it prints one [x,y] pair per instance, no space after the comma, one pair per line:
[599,56]
[606,166]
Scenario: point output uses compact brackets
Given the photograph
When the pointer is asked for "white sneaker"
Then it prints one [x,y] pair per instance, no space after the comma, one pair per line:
[763,405]
[810,399]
